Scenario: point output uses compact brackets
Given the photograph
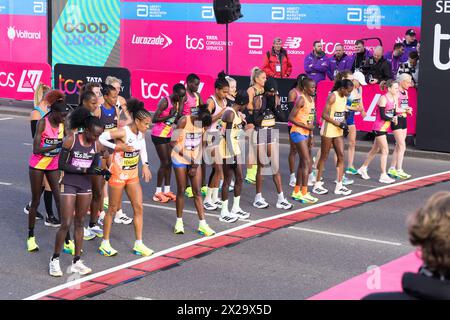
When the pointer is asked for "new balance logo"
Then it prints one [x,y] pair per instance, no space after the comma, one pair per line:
[293,43]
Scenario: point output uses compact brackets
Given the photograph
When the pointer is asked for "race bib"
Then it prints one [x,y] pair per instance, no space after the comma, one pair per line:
[339,116]
[51,142]
[130,160]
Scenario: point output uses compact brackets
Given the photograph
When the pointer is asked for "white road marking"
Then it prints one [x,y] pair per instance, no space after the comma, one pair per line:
[3,119]
[5,183]
[27,144]
[341,235]
[142,298]
[190,243]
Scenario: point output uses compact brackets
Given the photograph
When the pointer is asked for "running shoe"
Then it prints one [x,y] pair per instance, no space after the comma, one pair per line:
[346,181]
[292,181]
[54,269]
[403,175]
[284,204]
[39,215]
[209,206]
[219,204]
[97,231]
[171,196]
[188,192]
[228,217]
[241,214]
[142,250]
[311,179]
[342,190]
[307,198]
[32,245]
[203,190]
[363,173]
[393,173]
[52,221]
[250,177]
[261,204]
[160,197]
[69,248]
[101,217]
[122,218]
[206,231]
[105,204]
[384,178]
[80,268]
[179,228]
[106,250]
[88,235]
[319,188]
[351,170]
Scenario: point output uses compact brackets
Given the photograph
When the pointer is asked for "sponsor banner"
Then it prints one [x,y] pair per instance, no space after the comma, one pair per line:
[70,78]
[371,95]
[23,30]
[86,31]
[151,85]
[19,81]
[200,47]
[433,130]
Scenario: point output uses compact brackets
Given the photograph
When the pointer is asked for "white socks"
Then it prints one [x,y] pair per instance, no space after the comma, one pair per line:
[258,196]
[215,195]
[209,195]
[236,206]
[202,223]
[224,211]
[158,189]
[166,189]
[138,242]
[280,196]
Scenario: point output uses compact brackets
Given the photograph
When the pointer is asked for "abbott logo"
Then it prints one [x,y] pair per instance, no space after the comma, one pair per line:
[255,41]
[39,7]
[29,80]
[354,15]
[293,43]
[207,12]
[438,38]
[278,13]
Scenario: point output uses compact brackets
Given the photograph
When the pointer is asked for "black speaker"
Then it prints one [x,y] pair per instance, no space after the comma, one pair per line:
[227,11]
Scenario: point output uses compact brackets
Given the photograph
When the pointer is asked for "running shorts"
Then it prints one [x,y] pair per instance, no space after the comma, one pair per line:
[401,124]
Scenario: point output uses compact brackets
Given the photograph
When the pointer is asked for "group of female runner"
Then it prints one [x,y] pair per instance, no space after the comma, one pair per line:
[92,153]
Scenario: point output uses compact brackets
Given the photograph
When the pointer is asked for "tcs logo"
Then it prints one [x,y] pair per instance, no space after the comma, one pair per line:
[194,43]
[7,80]
[153,90]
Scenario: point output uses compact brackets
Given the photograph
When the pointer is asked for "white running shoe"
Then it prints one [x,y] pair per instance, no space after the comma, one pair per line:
[209,206]
[261,204]
[241,214]
[96,230]
[319,189]
[219,204]
[363,173]
[54,269]
[228,217]
[292,181]
[122,218]
[284,204]
[311,179]
[88,235]
[342,190]
[101,218]
[384,178]
[80,268]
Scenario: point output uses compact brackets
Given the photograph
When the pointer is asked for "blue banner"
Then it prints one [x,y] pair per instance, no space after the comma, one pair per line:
[23,7]
[398,16]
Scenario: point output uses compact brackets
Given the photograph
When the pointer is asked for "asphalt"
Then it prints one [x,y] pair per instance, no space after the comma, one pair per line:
[275,261]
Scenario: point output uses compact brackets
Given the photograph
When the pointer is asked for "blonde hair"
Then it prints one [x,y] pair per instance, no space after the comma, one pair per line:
[256,72]
[404,77]
[40,93]
[429,229]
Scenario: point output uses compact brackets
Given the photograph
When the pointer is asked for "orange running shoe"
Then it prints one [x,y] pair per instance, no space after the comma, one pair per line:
[172,196]
[160,197]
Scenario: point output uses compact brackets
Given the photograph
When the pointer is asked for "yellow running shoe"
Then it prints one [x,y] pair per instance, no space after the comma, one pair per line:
[307,198]
[188,192]
[32,245]
[206,231]
[179,228]
[204,190]
[142,250]
[69,248]
[106,250]
[251,174]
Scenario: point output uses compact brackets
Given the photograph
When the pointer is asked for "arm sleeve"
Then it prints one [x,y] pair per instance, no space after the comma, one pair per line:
[105,136]
[33,127]
[143,152]
[383,115]
[63,163]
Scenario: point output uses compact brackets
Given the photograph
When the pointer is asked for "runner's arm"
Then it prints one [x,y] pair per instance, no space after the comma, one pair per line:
[37,149]
[327,110]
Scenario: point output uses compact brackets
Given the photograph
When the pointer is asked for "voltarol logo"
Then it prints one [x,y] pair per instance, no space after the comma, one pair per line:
[29,80]
[438,38]
[161,40]
[22,34]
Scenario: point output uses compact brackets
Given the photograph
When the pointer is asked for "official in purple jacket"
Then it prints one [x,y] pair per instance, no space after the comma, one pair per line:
[339,62]
[410,43]
[396,57]
[316,63]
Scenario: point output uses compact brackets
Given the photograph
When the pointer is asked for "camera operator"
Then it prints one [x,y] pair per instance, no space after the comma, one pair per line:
[377,68]
[411,67]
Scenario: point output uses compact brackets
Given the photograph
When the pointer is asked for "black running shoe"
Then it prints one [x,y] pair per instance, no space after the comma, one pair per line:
[52,221]
[39,215]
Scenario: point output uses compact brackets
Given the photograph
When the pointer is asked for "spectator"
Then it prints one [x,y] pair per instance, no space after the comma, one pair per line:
[428,229]
[396,57]
[411,67]
[339,62]
[276,61]
[361,55]
[410,43]
[377,68]
[316,63]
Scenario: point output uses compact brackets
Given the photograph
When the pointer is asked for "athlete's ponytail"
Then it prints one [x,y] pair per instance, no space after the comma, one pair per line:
[221,81]
[385,85]
[256,72]
[298,81]
[137,110]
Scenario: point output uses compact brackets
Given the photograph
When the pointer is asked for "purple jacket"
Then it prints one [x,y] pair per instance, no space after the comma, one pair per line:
[359,59]
[335,65]
[409,48]
[316,67]
[394,61]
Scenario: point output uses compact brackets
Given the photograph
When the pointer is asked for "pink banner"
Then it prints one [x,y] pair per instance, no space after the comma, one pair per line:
[371,94]
[150,85]
[19,80]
